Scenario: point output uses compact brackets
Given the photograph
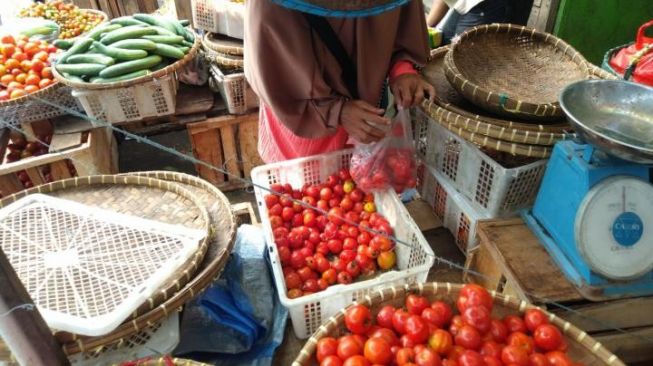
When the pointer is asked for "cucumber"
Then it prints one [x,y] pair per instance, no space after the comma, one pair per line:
[189,36]
[161,65]
[162,31]
[130,66]
[119,54]
[135,44]
[127,21]
[81,69]
[91,58]
[184,22]
[184,49]
[128,76]
[62,44]
[156,21]
[187,44]
[132,31]
[168,51]
[101,29]
[73,78]
[80,46]
[165,39]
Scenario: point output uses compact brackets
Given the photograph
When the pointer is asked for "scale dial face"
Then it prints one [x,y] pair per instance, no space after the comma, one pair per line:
[614,228]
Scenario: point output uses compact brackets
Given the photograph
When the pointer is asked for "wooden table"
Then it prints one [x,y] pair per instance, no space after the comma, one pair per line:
[513,262]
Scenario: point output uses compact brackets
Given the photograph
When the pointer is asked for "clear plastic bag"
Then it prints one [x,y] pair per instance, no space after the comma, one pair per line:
[389,163]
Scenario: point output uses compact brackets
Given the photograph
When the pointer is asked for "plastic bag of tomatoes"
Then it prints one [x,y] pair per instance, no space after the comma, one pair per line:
[389,163]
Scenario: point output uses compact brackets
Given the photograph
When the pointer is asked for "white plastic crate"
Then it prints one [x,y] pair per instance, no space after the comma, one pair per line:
[489,186]
[124,104]
[219,16]
[453,209]
[413,263]
[158,339]
[235,91]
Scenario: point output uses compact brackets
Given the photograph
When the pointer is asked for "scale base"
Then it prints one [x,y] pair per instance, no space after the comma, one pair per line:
[607,291]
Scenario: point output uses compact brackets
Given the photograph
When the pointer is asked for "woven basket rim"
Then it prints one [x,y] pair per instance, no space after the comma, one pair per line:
[127,180]
[545,110]
[140,80]
[176,301]
[41,92]
[165,361]
[209,42]
[304,357]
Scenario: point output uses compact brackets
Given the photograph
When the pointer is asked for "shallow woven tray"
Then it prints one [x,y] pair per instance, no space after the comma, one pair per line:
[166,361]
[582,347]
[449,98]
[223,44]
[223,227]
[139,196]
[123,84]
[514,71]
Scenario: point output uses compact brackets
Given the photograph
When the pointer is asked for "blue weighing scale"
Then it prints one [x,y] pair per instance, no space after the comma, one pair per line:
[594,210]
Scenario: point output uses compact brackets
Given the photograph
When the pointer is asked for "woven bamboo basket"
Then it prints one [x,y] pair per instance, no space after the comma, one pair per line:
[144,197]
[223,44]
[514,71]
[163,361]
[215,53]
[449,98]
[582,348]
[49,102]
[223,227]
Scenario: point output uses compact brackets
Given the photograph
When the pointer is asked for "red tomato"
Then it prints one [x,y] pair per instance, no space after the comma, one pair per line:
[498,331]
[427,357]
[326,347]
[473,295]
[377,350]
[295,293]
[405,356]
[356,361]
[287,214]
[406,342]
[514,324]
[441,342]
[358,319]
[399,321]
[331,361]
[417,329]
[490,361]
[386,333]
[521,340]
[336,215]
[514,354]
[335,246]
[547,337]
[538,359]
[491,348]
[310,285]
[471,358]
[468,337]
[271,200]
[293,280]
[344,278]
[276,209]
[557,358]
[330,276]
[326,193]
[455,352]
[384,316]
[322,264]
[533,318]
[456,323]
[348,346]
[478,317]
[442,315]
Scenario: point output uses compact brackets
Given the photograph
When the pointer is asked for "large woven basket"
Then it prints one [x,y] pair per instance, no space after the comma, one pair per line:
[227,56]
[582,347]
[49,102]
[223,44]
[342,8]
[514,71]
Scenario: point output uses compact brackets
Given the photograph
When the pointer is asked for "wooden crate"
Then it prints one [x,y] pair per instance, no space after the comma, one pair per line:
[513,262]
[81,154]
[118,8]
[228,143]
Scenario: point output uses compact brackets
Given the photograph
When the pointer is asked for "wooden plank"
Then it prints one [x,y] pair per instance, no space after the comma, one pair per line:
[184,9]
[218,122]
[63,142]
[192,100]
[33,130]
[205,149]
[515,248]
[59,170]
[131,7]
[601,316]
[423,215]
[479,260]
[230,153]
[248,137]
[634,346]
[9,183]
[35,176]
[245,209]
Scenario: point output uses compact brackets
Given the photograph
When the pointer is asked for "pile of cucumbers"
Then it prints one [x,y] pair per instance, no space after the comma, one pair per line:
[125,48]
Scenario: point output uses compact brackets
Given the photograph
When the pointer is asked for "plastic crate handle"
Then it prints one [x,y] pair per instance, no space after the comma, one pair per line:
[642,40]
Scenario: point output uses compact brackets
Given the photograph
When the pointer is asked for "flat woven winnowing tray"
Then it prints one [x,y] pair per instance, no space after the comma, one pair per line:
[87,269]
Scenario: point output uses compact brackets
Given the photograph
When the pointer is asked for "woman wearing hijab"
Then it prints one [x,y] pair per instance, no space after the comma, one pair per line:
[320,69]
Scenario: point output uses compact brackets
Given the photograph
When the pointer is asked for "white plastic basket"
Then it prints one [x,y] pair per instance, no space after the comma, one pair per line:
[161,338]
[413,263]
[490,187]
[219,16]
[453,209]
[235,91]
[124,104]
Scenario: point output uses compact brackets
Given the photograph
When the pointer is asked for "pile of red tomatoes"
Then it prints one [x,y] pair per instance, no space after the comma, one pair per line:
[425,333]
[318,250]
[388,168]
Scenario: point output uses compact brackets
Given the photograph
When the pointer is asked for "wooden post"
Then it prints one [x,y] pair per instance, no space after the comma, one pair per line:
[24,331]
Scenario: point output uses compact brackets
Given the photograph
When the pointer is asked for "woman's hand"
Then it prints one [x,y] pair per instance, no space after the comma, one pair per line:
[364,122]
[410,89]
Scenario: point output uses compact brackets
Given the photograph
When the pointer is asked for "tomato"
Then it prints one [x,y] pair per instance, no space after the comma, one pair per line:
[468,337]
[377,350]
[8,39]
[498,331]
[330,276]
[348,346]
[417,329]
[386,260]
[404,356]
[353,268]
[457,322]
[347,256]
[369,207]
[533,318]
[522,341]
[326,347]
[427,357]
[442,315]
[17,94]
[331,361]
[4,95]
[514,355]
[538,359]
[20,78]
[7,50]
[471,358]
[335,215]
[335,246]
[293,280]
[44,83]
[295,293]
[406,342]
[356,361]
[310,285]
[357,196]
[547,337]
[478,317]
[557,358]
[344,278]
[384,316]
[32,80]
[492,361]
[348,186]
[440,341]
[364,238]
[326,193]
[385,333]
[473,295]
[514,324]
[399,321]
[358,319]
